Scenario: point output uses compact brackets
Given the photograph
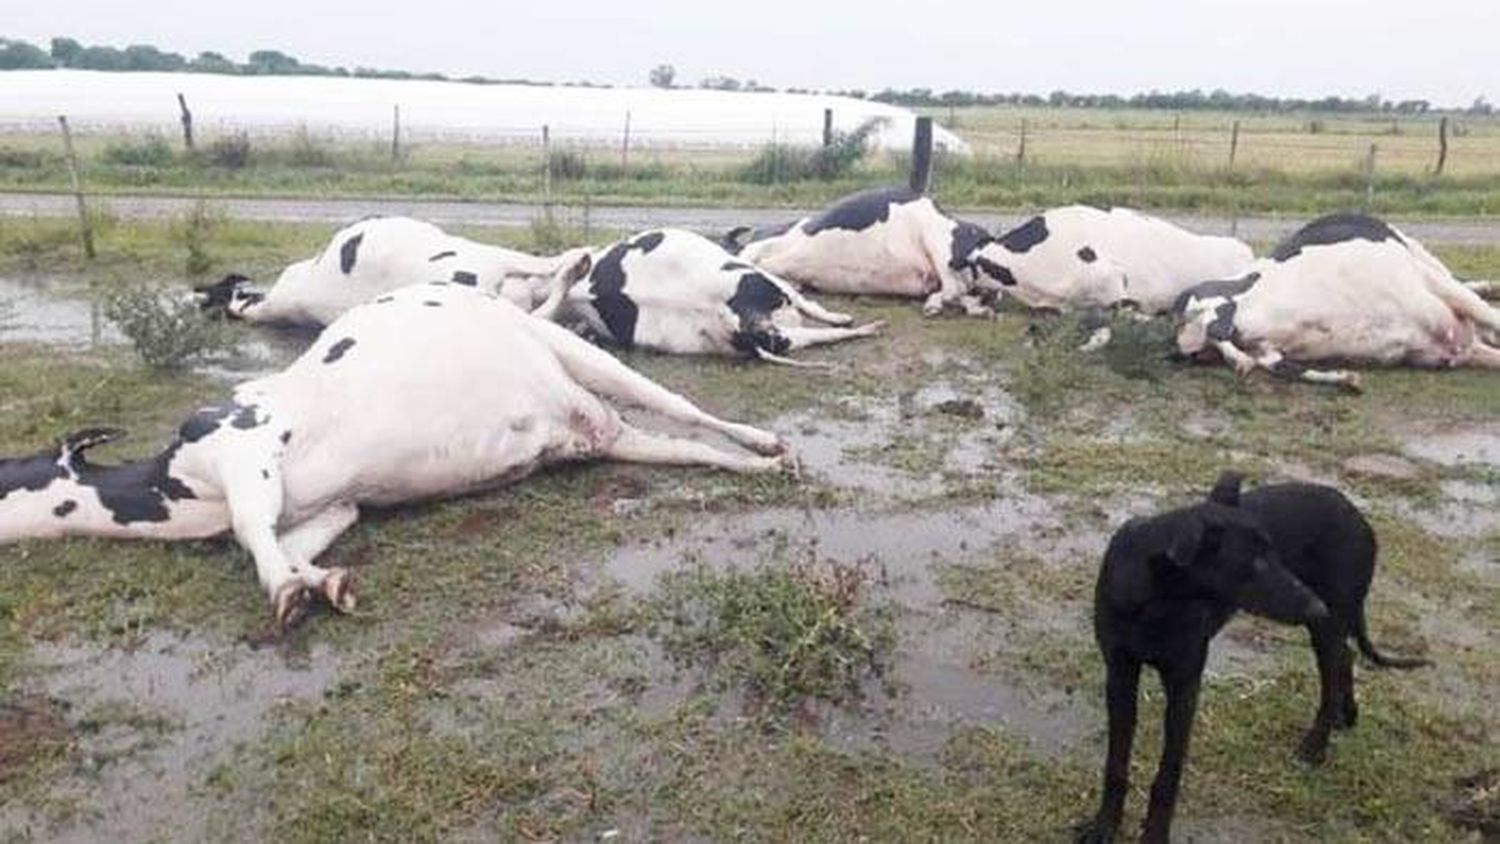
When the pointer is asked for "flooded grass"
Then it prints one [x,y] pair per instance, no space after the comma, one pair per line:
[516,666]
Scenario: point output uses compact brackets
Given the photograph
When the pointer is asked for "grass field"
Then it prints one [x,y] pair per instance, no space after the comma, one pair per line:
[894,647]
[1290,163]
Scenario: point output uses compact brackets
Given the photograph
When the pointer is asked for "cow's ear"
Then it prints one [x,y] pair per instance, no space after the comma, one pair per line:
[1227,490]
[734,237]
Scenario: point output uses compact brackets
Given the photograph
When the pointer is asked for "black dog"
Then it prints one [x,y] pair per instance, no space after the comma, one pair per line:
[1294,553]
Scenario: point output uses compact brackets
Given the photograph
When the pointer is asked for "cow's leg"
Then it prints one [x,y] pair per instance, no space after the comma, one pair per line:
[598,370]
[637,446]
[252,489]
[803,336]
[1483,355]
[304,542]
[1275,363]
[808,307]
[1484,289]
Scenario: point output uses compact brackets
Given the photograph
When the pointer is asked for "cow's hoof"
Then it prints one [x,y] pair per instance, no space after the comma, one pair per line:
[338,588]
[790,465]
[290,602]
[838,320]
[870,329]
[1354,383]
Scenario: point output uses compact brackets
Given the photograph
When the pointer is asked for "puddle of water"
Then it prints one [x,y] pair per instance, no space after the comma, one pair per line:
[1452,448]
[939,690]
[45,313]
[57,314]
[197,701]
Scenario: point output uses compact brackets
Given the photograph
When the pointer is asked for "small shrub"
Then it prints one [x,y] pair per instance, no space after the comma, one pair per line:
[153,151]
[167,329]
[231,152]
[1139,349]
[784,632]
[568,165]
[27,159]
[306,151]
[1049,368]
[194,230]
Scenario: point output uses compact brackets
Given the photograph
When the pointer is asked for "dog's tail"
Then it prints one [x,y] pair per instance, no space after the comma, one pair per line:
[1366,647]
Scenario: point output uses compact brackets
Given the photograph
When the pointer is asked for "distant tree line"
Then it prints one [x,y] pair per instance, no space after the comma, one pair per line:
[68,53]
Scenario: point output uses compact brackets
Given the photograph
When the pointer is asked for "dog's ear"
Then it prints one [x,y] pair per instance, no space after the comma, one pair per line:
[1227,490]
[1186,543]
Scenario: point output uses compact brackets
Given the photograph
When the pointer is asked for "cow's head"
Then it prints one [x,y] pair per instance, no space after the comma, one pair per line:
[1194,314]
[231,295]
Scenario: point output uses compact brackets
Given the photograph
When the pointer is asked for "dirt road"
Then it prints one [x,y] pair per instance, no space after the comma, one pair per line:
[1482,231]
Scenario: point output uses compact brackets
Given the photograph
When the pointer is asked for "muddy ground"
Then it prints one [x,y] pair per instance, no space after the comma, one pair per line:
[505,675]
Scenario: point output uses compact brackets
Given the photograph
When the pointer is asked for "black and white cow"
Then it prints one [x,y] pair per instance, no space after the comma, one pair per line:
[433,390]
[1081,256]
[677,292]
[885,241]
[378,255]
[1345,287]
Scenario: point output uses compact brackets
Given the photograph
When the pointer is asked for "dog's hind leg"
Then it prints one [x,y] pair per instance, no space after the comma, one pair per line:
[1328,643]
[1182,704]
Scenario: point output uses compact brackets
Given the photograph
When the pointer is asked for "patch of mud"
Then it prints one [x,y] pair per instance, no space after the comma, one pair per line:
[153,722]
[31,726]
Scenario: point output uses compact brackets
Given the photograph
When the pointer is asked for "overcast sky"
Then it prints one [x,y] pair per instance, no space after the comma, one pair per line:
[1447,51]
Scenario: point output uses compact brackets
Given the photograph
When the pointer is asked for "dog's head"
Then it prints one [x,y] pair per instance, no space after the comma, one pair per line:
[1218,548]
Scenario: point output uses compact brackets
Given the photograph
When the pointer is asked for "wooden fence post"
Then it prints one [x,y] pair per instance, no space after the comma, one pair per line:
[547,169]
[1234,143]
[83,212]
[625,145]
[921,156]
[1021,150]
[396,133]
[827,127]
[1370,178]
[187,122]
[1442,146]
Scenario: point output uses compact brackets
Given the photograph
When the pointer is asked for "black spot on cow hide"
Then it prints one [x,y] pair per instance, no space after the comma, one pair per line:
[995,271]
[431,304]
[1334,228]
[860,211]
[62,510]
[349,252]
[1214,290]
[1021,238]
[1087,255]
[465,278]
[1222,328]
[607,286]
[32,474]
[732,266]
[265,474]
[383,299]
[965,238]
[286,437]
[449,253]
[755,299]
[338,349]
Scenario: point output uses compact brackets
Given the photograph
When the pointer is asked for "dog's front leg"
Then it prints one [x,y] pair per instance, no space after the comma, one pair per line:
[1122,678]
[1182,705]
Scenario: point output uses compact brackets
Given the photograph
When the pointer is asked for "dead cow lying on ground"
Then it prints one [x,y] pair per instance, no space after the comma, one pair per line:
[1294,553]
[1345,287]
[885,241]
[376,256]
[1082,257]
[434,390]
[677,292]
